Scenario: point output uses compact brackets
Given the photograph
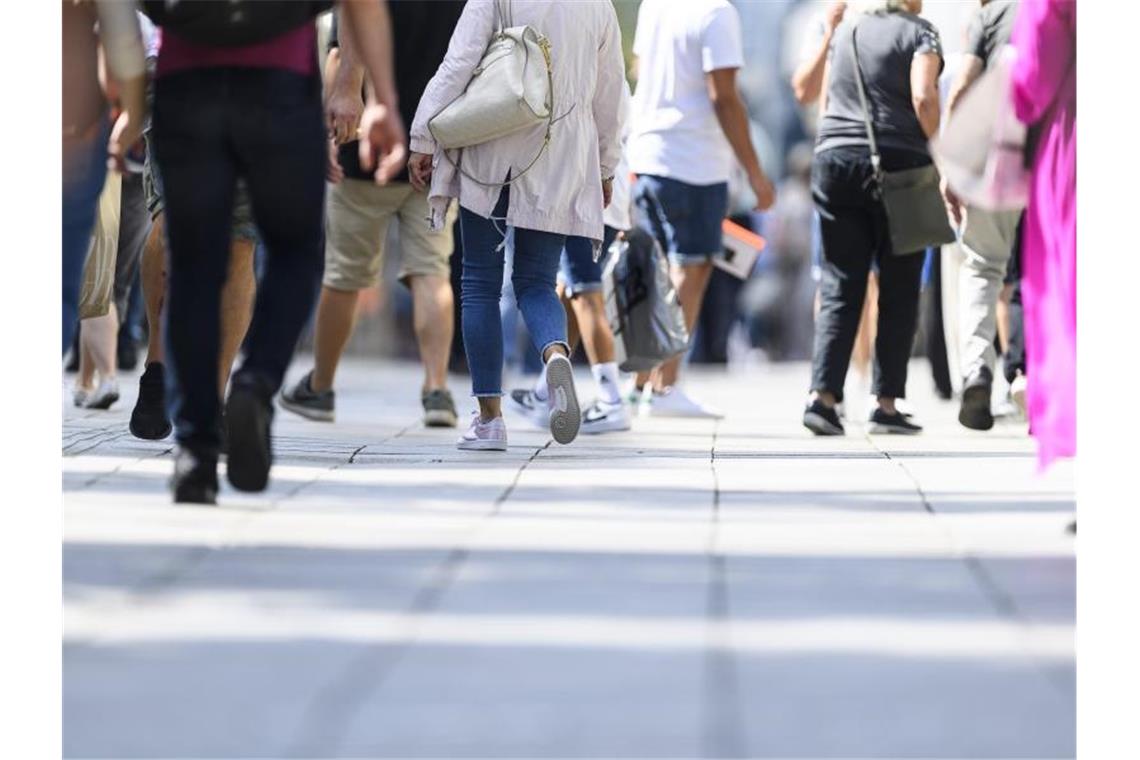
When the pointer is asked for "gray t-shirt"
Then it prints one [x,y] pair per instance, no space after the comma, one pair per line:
[887,44]
[990,29]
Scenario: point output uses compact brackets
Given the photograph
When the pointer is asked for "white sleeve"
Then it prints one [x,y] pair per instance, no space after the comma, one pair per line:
[722,45]
[468,44]
[608,93]
[122,41]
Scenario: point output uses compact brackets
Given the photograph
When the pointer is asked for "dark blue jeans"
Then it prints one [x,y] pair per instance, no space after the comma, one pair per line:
[212,127]
[534,277]
[84,171]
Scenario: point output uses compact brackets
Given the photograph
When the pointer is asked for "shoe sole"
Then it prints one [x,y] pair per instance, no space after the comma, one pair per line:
[481,446]
[187,495]
[819,425]
[248,455]
[316,415]
[104,403]
[879,429]
[139,432]
[606,426]
[440,418]
[564,423]
[975,412]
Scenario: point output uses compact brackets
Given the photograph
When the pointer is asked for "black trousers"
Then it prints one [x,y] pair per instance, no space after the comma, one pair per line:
[854,232]
[1013,361]
[212,126]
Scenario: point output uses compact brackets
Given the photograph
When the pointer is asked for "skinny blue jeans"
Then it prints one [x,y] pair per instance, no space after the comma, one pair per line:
[535,275]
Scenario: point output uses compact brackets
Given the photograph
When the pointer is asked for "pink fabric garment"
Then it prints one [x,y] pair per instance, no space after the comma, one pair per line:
[294,50]
[1044,90]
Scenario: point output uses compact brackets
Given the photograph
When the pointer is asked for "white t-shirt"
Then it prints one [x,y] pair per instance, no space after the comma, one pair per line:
[675,132]
[617,214]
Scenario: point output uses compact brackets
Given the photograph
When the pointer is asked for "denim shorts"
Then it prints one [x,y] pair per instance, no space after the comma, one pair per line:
[579,273]
[686,219]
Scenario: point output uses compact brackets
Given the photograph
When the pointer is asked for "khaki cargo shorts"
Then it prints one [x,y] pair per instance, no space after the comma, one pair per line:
[98,288]
[359,213]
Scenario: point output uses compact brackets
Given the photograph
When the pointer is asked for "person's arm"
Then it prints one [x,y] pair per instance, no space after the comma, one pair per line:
[733,118]
[121,40]
[366,33]
[924,69]
[607,103]
[344,89]
[468,43]
[972,68]
[807,80]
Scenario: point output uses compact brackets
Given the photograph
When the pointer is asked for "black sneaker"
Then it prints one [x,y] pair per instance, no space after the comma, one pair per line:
[439,409]
[897,423]
[822,419]
[303,400]
[975,412]
[195,479]
[249,452]
[148,419]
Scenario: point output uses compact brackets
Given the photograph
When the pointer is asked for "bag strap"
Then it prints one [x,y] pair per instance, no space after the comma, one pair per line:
[544,44]
[876,158]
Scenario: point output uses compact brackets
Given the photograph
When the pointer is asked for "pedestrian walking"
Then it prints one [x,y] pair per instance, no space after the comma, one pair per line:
[237,96]
[987,237]
[560,194]
[1044,84]
[150,418]
[90,136]
[581,289]
[899,58]
[360,212]
[689,123]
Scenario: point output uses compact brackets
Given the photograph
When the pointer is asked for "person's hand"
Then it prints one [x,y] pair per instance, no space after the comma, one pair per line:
[343,111]
[124,134]
[835,15]
[953,203]
[607,192]
[419,171]
[383,143]
[334,172]
[764,191]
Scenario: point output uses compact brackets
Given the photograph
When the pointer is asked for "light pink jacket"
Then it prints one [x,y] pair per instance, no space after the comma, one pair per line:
[562,193]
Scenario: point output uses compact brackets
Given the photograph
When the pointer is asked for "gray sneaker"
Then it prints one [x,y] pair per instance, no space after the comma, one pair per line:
[439,409]
[303,400]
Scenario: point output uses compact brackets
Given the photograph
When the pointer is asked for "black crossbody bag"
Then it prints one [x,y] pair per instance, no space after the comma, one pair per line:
[916,214]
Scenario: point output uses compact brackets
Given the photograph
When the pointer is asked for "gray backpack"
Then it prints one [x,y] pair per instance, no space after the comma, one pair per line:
[641,304]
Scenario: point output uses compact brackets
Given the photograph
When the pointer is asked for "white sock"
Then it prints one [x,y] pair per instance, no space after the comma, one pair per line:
[541,392]
[606,376]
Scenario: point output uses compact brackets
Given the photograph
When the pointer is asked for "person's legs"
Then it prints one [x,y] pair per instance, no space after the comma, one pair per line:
[199,175]
[336,319]
[863,352]
[987,242]
[849,238]
[481,290]
[426,271]
[900,283]
[98,344]
[84,170]
[238,296]
[277,134]
[691,282]
[134,227]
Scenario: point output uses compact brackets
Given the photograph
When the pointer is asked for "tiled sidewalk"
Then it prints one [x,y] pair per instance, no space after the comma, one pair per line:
[690,588]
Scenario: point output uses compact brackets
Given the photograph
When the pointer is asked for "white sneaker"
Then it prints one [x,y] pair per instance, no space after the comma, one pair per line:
[603,417]
[484,436]
[674,402]
[523,402]
[565,414]
[105,395]
[1017,392]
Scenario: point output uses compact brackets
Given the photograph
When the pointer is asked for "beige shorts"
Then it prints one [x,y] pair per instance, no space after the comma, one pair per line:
[99,272]
[359,213]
